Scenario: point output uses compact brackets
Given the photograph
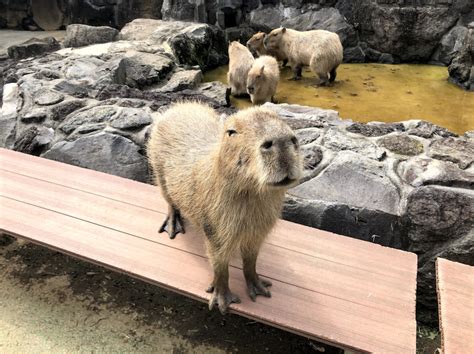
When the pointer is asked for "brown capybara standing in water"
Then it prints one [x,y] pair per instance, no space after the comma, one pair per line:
[255,44]
[228,179]
[262,79]
[321,50]
[240,62]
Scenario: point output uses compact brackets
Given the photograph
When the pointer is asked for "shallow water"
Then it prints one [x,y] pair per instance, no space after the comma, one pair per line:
[379,92]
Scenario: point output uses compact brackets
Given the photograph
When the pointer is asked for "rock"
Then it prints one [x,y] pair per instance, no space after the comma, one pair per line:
[33,47]
[90,71]
[7,131]
[328,19]
[386,58]
[312,156]
[354,180]
[86,129]
[266,18]
[438,214]
[48,97]
[192,44]
[337,140]
[33,140]
[450,45]
[183,10]
[71,88]
[47,14]
[202,45]
[375,129]
[142,69]
[401,144]
[459,151]
[82,35]
[97,114]
[361,223]
[46,74]
[298,117]
[215,91]
[401,29]
[426,130]
[61,110]
[461,68]
[103,152]
[11,100]
[37,115]
[182,80]
[421,171]
[354,55]
[308,135]
[131,118]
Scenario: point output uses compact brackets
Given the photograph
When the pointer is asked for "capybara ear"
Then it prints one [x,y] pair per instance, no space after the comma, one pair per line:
[283,30]
[261,70]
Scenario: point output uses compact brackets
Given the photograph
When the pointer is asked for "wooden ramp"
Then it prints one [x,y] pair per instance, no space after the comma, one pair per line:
[455,286]
[334,289]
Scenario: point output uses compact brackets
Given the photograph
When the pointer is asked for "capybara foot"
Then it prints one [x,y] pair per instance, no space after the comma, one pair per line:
[222,297]
[258,287]
[173,224]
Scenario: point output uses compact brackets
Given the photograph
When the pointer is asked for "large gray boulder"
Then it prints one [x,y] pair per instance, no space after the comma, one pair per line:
[78,35]
[191,44]
[450,45]
[33,47]
[461,70]
[103,152]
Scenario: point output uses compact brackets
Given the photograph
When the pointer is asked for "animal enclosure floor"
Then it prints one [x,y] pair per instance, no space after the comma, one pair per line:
[455,286]
[327,287]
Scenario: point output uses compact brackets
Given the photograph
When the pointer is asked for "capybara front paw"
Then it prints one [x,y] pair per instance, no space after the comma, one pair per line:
[222,298]
[258,287]
[173,224]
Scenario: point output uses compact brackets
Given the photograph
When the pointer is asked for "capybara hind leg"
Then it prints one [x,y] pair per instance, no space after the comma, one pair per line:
[221,297]
[284,62]
[297,69]
[332,75]
[173,223]
[322,79]
[255,285]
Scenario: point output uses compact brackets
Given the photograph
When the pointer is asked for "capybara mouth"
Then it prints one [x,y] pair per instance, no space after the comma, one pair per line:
[284,182]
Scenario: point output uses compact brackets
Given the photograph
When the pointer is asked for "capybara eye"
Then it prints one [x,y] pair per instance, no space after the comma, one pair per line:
[267,144]
[294,140]
[231,132]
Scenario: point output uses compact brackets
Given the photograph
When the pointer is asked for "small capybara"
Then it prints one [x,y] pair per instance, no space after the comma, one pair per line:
[240,62]
[228,179]
[262,79]
[321,50]
[255,44]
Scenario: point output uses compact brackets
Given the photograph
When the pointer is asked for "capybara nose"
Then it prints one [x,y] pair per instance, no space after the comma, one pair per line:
[250,89]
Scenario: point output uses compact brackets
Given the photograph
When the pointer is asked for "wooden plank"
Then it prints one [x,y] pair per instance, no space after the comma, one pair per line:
[312,314]
[455,287]
[358,288]
[147,196]
[317,274]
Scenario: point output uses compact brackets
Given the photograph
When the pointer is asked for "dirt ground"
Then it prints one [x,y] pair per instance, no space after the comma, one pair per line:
[53,303]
